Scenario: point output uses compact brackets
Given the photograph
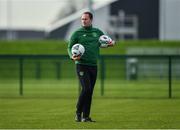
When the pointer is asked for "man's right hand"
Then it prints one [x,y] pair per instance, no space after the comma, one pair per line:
[76,58]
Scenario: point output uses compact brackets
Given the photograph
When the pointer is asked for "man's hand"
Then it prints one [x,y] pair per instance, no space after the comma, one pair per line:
[74,58]
[112,43]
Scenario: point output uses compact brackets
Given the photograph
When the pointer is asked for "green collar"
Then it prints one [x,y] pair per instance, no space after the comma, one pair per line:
[87,28]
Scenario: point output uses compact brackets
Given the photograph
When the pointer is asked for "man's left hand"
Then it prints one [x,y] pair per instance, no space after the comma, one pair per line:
[112,43]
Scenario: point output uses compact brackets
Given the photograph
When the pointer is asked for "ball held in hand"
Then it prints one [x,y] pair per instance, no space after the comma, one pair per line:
[105,41]
[77,50]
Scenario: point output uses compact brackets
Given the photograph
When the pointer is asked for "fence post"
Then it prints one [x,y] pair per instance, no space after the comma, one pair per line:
[170,77]
[21,76]
[102,75]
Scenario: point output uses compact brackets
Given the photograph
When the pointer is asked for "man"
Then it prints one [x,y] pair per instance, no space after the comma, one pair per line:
[86,65]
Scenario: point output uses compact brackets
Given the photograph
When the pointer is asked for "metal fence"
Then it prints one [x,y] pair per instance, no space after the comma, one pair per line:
[118,75]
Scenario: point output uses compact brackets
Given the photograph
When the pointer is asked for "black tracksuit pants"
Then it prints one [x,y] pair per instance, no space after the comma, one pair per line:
[87,77]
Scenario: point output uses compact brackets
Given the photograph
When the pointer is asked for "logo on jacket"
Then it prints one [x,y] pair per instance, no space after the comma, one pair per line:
[94,34]
[81,73]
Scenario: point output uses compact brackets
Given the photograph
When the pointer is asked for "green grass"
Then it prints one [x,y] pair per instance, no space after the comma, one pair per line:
[60,47]
[57,113]
[33,47]
[68,88]
[50,104]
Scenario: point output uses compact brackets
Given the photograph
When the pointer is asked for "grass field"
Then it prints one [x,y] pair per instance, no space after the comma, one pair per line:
[49,113]
[49,104]
[60,47]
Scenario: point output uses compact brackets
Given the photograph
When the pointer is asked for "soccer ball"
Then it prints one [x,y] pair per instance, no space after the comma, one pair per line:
[105,40]
[77,50]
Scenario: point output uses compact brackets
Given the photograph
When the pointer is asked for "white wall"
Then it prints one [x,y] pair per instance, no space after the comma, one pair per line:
[33,14]
[169,20]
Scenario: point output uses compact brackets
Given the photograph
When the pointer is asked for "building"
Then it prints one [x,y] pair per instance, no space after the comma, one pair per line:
[121,19]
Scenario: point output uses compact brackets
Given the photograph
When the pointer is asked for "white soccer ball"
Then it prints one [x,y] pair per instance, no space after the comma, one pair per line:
[104,40]
[77,50]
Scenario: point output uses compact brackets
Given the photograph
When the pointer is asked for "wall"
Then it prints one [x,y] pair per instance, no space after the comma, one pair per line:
[169,20]
[147,12]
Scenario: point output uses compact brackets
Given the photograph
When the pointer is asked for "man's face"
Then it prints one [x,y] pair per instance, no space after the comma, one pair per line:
[85,20]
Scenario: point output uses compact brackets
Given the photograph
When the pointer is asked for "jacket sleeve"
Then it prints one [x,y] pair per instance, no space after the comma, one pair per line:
[73,40]
[100,33]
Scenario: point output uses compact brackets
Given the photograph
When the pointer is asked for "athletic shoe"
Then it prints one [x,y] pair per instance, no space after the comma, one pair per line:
[87,119]
[78,118]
